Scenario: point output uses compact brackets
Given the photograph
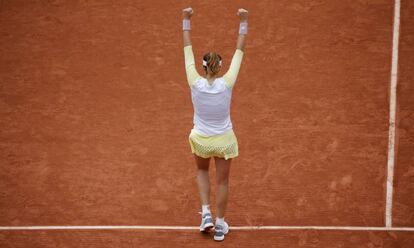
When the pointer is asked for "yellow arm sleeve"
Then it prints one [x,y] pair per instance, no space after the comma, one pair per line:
[190,69]
[231,75]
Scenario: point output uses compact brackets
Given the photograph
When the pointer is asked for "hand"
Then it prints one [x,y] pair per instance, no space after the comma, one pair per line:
[242,13]
[187,13]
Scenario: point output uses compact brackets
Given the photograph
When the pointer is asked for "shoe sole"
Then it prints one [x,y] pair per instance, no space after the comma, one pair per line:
[207,227]
[221,238]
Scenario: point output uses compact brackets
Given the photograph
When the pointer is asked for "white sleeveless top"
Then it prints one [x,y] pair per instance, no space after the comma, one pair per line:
[211,106]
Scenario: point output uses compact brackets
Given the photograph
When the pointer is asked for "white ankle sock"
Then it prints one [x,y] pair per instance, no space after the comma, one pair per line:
[219,220]
[205,209]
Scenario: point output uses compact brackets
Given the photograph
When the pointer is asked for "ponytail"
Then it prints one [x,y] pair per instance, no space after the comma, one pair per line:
[211,63]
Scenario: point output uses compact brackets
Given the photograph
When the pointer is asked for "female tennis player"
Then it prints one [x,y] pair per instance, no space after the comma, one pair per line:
[212,134]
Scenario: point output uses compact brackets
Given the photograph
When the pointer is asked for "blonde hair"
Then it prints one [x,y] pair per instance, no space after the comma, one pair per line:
[213,63]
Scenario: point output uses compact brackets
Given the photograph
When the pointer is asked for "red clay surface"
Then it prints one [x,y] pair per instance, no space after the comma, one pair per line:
[95,116]
[162,239]
[404,170]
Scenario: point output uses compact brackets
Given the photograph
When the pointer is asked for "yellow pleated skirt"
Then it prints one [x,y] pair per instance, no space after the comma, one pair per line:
[222,146]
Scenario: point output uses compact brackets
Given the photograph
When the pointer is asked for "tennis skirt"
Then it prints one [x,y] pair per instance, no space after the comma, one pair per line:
[222,146]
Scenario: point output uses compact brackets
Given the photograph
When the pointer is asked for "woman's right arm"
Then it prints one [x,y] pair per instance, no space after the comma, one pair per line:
[231,75]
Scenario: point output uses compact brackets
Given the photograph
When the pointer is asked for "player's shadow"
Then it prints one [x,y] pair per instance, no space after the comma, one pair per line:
[207,235]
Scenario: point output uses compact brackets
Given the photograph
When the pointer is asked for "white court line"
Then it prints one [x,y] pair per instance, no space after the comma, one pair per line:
[393,101]
[252,228]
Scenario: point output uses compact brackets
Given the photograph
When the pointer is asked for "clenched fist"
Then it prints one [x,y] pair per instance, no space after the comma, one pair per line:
[187,13]
[242,13]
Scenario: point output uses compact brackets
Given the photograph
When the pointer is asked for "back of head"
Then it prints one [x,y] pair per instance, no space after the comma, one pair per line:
[212,63]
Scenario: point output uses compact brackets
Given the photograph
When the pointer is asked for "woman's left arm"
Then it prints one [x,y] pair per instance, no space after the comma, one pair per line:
[191,71]
[187,13]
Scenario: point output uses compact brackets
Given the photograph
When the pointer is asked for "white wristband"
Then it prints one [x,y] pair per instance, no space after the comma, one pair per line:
[186,24]
[243,27]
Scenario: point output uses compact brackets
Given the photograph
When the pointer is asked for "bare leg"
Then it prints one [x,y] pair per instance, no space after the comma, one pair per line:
[222,177]
[203,179]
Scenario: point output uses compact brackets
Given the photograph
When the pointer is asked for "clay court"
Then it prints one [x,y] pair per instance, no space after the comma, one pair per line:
[95,114]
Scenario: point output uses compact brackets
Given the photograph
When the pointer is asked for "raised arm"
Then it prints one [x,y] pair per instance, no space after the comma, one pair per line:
[190,69]
[187,13]
[241,40]
[231,75]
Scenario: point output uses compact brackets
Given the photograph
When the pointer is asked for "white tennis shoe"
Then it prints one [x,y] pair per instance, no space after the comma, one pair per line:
[221,230]
[206,222]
